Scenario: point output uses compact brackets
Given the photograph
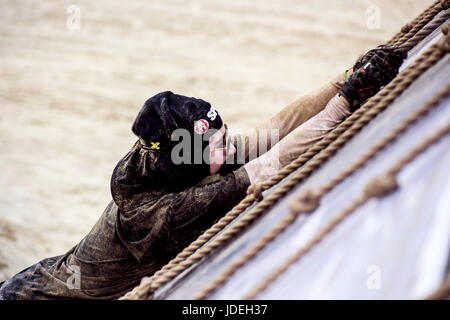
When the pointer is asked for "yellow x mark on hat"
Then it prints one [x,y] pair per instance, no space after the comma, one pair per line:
[155,145]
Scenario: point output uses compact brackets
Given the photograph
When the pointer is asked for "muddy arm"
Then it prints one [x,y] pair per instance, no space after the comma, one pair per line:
[289,118]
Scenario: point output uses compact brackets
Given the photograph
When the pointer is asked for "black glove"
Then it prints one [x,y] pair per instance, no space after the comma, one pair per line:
[394,53]
[378,67]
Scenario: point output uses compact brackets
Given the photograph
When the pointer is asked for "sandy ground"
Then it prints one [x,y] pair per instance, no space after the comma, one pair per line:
[68,97]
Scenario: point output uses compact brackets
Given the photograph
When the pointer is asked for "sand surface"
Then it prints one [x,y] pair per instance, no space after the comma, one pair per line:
[68,97]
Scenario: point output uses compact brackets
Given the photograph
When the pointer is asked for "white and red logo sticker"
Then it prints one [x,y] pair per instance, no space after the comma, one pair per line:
[201,126]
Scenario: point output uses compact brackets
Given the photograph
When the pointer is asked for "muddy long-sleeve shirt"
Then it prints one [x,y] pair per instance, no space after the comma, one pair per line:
[123,246]
[141,231]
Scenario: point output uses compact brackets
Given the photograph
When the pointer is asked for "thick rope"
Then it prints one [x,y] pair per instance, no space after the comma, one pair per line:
[407,27]
[186,258]
[376,188]
[426,18]
[309,200]
[425,31]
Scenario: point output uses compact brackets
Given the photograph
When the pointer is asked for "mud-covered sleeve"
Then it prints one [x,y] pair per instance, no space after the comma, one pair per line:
[254,142]
[171,221]
[197,208]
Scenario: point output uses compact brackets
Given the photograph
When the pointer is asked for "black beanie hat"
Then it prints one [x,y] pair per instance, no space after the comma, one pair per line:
[150,163]
[165,112]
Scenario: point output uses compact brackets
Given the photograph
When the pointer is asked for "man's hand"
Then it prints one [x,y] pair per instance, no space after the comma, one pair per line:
[395,53]
[374,70]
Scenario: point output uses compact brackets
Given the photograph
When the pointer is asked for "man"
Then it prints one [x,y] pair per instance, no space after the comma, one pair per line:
[166,192]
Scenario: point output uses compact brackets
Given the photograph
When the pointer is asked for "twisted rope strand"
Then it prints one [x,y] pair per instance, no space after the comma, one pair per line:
[425,31]
[427,17]
[407,27]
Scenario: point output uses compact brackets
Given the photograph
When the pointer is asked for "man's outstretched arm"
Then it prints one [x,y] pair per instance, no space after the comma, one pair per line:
[289,118]
[299,140]
[387,59]
[377,71]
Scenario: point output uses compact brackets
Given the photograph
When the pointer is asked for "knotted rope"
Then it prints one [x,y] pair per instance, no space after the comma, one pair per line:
[256,189]
[306,202]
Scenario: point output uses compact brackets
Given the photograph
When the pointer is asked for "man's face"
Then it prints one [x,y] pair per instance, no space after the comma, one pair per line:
[219,149]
